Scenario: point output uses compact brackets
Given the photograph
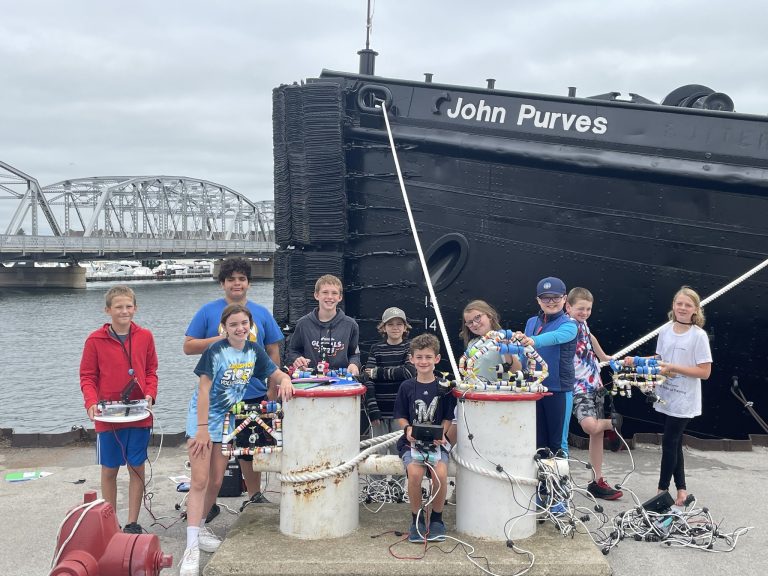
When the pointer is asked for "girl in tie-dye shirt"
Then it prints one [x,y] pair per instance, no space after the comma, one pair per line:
[224,370]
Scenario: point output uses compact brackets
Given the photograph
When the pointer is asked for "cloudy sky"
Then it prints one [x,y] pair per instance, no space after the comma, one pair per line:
[183,87]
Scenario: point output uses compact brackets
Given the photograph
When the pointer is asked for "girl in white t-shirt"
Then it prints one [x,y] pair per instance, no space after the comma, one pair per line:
[686,360]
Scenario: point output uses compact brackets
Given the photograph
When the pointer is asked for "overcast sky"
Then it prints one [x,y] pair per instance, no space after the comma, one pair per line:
[107,87]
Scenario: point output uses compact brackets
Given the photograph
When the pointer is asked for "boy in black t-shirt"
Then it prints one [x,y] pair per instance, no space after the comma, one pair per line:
[419,401]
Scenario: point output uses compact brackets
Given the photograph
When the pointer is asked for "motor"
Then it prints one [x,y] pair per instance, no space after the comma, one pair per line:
[90,543]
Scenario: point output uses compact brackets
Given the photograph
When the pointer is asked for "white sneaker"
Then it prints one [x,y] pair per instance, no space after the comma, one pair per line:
[207,540]
[190,563]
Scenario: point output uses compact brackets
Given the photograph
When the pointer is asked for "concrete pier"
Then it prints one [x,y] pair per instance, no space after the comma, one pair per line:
[45,277]
[727,482]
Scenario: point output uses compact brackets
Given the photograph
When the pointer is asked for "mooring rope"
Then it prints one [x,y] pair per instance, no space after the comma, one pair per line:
[385,441]
[422,260]
[640,341]
[491,473]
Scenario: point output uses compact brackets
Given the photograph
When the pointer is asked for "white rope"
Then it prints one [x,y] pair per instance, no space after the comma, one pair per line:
[379,439]
[424,269]
[344,468]
[707,300]
[492,473]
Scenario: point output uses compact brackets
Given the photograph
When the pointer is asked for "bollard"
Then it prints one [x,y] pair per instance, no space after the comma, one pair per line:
[321,429]
[503,426]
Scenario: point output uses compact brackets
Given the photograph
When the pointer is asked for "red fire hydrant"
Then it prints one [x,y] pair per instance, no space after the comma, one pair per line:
[90,543]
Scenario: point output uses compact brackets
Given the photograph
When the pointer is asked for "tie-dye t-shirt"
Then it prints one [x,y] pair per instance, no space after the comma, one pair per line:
[585,364]
[229,370]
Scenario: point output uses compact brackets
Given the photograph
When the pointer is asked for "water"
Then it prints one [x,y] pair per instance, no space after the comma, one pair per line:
[41,340]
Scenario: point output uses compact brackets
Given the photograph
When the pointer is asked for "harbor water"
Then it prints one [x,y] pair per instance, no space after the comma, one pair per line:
[41,340]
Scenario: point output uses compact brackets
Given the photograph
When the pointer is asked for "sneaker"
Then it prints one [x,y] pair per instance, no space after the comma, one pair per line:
[558,508]
[601,489]
[436,532]
[190,563]
[207,540]
[555,508]
[133,528]
[452,499]
[212,513]
[417,536]
[257,498]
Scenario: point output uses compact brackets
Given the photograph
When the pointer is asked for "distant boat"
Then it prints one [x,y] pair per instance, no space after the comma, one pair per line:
[169,268]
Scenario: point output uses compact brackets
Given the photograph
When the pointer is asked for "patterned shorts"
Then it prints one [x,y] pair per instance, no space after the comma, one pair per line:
[590,404]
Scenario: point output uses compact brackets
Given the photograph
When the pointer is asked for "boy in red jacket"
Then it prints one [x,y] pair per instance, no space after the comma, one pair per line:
[116,355]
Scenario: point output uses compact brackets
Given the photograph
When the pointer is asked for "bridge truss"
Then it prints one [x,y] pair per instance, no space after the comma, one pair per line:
[161,207]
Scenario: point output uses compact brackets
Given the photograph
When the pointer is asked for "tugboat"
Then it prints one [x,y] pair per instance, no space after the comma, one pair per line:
[627,197]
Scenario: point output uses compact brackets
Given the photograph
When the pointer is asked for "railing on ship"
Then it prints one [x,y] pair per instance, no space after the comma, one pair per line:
[100,245]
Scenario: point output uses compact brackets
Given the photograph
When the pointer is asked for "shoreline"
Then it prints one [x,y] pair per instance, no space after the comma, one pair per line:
[84,436]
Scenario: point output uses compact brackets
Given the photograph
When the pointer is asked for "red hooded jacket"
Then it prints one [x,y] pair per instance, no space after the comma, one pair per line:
[104,370]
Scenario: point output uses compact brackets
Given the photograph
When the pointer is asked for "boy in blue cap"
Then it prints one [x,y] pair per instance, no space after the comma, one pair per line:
[553,333]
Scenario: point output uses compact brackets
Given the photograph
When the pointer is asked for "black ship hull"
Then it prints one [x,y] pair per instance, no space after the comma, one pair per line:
[629,200]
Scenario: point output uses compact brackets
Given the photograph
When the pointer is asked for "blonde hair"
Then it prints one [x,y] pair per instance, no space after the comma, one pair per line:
[119,290]
[697,318]
[483,307]
[579,293]
[328,279]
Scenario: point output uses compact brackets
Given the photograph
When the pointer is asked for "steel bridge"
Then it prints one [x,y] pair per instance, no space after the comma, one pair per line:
[112,217]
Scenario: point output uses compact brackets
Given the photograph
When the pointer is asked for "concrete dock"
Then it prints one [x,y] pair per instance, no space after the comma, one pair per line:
[729,483]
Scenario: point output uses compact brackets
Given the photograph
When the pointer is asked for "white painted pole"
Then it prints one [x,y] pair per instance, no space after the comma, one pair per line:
[503,427]
[320,431]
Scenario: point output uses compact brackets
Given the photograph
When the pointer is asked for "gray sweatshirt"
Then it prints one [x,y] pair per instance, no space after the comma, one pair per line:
[335,341]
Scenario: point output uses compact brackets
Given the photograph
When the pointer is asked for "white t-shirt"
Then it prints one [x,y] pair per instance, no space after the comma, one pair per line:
[682,394]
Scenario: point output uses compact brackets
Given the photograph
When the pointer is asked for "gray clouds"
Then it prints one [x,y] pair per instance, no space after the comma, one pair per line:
[184,87]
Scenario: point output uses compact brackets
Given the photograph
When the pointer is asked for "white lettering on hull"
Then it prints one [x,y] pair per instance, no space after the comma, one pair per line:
[528,116]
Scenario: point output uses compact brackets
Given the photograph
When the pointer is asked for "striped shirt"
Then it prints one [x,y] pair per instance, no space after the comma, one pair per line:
[391,364]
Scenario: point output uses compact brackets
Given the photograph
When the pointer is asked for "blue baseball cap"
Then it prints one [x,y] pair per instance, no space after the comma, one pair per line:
[550,285]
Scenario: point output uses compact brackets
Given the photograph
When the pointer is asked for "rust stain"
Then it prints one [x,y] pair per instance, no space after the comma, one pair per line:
[309,490]
[313,468]
[340,477]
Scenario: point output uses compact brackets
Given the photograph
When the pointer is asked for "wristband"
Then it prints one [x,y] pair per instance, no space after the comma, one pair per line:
[199,425]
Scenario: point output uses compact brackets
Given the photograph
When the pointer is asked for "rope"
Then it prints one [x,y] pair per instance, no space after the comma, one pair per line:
[424,269]
[379,439]
[707,300]
[492,473]
[344,468]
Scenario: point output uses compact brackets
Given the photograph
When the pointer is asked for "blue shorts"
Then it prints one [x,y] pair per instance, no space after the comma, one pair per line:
[115,447]
[408,458]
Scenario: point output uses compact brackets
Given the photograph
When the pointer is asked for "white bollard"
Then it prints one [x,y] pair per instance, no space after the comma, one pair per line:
[321,429]
[503,426]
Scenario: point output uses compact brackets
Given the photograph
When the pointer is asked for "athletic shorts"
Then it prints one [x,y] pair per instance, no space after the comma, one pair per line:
[407,458]
[115,447]
[242,440]
[589,404]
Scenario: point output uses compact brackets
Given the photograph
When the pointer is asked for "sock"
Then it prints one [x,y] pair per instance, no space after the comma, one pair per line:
[436,517]
[413,516]
[192,532]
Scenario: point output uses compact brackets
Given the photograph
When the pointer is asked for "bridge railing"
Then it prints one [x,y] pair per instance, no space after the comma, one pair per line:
[74,245]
